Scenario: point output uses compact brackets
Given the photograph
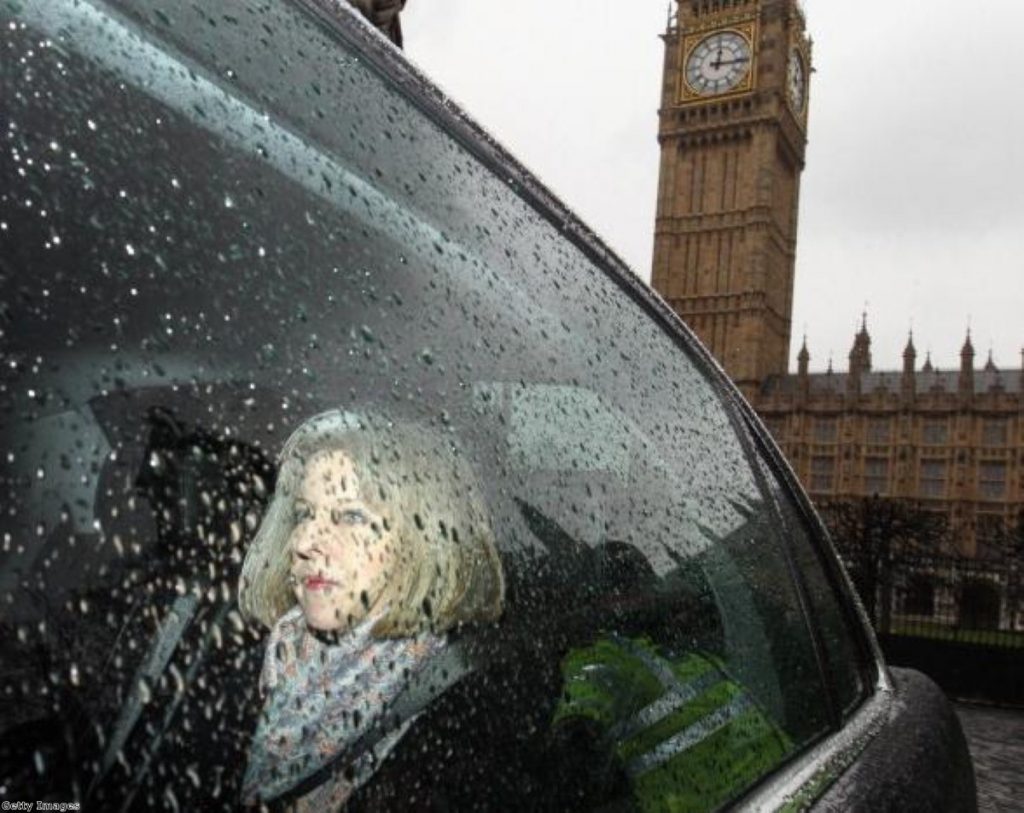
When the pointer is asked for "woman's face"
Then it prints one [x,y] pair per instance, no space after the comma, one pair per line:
[342,553]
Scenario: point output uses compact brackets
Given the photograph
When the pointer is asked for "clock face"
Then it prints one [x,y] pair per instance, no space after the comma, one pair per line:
[718,63]
[796,81]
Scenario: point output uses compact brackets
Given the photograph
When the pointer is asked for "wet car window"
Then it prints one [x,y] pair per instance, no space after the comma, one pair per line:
[849,666]
[216,227]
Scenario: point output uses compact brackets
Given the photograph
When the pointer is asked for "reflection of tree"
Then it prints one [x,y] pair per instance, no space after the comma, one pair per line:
[873,534]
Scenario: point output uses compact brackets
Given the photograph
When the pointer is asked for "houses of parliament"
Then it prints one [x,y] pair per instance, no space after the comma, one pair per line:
[732,135]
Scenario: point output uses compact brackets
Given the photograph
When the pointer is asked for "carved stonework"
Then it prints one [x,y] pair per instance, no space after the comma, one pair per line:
[732,124]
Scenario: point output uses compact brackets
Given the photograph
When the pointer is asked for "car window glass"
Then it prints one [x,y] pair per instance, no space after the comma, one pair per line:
[849,668]
[207,256]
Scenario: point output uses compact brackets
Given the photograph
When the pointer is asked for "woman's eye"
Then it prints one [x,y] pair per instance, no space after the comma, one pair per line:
[302,513]
[348,516]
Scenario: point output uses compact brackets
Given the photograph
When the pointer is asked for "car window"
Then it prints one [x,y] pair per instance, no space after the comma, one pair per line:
[230,223]
[850,669]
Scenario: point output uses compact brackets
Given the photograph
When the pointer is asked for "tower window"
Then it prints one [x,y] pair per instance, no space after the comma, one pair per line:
[993,432]
[825,430]
[823,470]
[992,481]
[935,433]
[876,476]
[879,430]
[932,480]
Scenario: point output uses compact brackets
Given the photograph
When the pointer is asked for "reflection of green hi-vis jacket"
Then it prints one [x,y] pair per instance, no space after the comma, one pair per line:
[689,737]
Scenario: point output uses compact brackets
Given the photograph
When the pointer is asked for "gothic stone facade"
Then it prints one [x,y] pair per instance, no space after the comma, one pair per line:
[732,132]
[950,442]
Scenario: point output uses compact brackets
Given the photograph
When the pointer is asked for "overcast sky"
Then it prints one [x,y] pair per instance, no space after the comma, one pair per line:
[913,196]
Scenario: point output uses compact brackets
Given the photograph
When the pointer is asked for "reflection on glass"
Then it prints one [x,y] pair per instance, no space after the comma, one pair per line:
[662,720]
[376,544]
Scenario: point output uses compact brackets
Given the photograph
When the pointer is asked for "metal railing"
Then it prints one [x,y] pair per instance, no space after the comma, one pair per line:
[971,601]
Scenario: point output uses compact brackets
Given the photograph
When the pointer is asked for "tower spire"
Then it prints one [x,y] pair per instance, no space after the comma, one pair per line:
[908,383]
[967,366]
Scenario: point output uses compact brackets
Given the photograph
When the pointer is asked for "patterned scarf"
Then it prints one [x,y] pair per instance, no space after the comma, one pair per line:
[320,699]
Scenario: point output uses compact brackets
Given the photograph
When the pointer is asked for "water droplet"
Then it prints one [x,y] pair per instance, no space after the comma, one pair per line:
[129,249]
[229,202]
[145,691]
[90,124]
[74,676]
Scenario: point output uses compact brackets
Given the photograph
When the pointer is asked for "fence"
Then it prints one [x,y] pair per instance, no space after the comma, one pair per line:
[960,621]
[970,601]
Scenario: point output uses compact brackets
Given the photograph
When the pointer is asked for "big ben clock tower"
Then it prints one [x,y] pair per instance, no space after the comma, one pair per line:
[733,124]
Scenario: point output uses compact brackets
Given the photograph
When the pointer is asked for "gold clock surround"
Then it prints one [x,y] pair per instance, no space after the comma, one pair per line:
[747,30]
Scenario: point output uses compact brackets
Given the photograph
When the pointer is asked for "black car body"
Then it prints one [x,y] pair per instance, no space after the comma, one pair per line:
[219,219]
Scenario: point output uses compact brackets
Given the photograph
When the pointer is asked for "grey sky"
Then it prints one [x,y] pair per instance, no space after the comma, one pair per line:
[913,196]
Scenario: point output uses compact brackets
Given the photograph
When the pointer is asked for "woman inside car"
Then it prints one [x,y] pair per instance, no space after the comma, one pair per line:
[376,546]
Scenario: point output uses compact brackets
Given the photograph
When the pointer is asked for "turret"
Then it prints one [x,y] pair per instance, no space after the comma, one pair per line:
[803,361]
[908,384]
[860,359]
[967,367]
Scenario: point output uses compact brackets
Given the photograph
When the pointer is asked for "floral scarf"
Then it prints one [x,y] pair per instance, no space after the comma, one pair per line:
[320,699]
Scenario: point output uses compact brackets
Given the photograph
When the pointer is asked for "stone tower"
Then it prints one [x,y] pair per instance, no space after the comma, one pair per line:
[732,133]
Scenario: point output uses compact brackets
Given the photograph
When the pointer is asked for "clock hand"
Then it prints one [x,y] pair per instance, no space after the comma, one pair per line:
[720,63]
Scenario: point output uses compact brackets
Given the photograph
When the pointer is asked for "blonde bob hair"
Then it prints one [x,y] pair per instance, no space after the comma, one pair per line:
[447,570]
